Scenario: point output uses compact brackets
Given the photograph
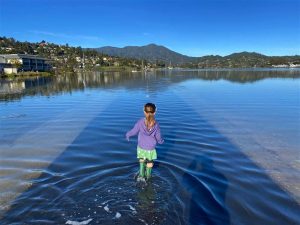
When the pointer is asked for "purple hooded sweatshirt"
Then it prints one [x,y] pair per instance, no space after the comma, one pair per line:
[147,140]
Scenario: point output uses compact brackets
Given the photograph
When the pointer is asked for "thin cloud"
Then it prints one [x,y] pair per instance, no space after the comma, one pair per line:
[62,35]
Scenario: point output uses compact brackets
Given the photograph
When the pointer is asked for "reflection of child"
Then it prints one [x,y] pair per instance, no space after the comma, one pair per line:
[149,135]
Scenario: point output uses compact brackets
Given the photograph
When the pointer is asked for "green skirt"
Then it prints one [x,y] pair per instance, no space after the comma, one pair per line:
[146,154]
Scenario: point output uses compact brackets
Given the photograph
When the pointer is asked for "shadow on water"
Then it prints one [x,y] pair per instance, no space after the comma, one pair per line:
[93,179]
[200,177]
[199,186]
[219,183]
[214,193]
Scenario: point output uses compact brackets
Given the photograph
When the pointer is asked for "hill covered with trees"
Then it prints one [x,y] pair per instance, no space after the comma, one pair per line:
[67,58]
[162,55]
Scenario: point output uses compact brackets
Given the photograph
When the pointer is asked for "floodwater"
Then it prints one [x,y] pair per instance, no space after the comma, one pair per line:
[231,151]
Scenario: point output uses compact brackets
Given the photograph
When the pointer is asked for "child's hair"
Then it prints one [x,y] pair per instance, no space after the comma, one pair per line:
[150,105]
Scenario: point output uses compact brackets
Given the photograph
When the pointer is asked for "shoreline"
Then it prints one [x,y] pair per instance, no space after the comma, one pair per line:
[26,74]
[134,70]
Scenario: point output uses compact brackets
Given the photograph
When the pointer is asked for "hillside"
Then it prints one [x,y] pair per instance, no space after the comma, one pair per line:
[160,54]
[152,53]
[70,58]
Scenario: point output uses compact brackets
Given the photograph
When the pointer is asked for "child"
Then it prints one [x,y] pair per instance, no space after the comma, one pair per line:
[148,131]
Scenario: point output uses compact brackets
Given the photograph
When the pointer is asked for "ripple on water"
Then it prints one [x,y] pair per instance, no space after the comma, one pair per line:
[200,175]
[100,196]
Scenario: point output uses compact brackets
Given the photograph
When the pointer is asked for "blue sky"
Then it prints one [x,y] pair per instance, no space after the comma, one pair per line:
[193,28]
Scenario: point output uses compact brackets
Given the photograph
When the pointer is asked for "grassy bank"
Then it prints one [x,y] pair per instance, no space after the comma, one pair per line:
[115,68]
[27,74]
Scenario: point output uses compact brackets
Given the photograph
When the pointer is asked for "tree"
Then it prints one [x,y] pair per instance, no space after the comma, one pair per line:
[16,63]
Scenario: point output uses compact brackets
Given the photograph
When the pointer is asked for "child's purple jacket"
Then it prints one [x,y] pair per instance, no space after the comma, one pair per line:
[147,139]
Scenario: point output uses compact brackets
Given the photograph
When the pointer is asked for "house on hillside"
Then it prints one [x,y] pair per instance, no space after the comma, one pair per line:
[13,63]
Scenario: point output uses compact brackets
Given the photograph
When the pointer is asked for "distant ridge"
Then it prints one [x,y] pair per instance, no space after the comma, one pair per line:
[157,56]
[157,53]
[151,52]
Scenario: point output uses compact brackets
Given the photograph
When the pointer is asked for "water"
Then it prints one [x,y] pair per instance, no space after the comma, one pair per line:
[231,151]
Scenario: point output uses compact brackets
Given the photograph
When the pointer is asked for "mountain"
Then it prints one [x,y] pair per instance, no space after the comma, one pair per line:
[152,53]
[245,59]
[156,53]
[160,56]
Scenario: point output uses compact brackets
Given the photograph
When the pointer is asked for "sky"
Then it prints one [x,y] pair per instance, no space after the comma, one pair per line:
[190,27]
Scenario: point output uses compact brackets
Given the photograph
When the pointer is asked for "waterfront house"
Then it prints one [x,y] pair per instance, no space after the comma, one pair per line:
[3,64]
[13,63]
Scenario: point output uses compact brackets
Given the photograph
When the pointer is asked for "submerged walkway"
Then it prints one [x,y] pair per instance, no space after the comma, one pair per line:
[200,175]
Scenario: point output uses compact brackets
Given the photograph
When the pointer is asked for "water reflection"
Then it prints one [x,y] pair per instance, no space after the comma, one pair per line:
[65,158]
[67,83]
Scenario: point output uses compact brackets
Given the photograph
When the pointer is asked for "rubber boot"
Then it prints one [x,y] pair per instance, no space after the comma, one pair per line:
[142,169]
[148,172]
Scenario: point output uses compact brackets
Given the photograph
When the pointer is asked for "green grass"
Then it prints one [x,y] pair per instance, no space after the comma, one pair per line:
[28,74]
[115,68]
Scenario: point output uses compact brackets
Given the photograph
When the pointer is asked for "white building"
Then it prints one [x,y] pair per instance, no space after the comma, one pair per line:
[23,62]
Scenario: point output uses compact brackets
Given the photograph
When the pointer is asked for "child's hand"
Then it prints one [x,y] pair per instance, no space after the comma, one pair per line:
[127,138]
